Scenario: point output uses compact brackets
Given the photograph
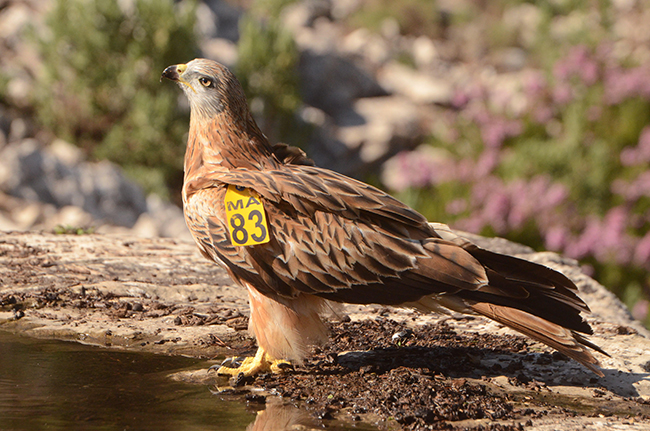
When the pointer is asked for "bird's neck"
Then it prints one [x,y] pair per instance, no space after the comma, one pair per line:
[222,143]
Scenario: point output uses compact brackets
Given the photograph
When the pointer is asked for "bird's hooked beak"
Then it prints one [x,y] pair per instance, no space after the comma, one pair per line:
[175,73]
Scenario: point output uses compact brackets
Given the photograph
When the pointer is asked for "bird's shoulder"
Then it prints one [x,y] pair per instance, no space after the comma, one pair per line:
[308,189]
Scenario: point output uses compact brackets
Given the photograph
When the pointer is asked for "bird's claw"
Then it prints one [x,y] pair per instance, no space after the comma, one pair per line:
[233,362]
[247,367]
[281,366]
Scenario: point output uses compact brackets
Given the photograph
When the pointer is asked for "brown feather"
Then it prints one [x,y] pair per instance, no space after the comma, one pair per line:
[556,336]
[336,238]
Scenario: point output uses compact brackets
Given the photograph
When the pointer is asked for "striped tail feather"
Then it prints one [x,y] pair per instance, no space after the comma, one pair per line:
[564,340]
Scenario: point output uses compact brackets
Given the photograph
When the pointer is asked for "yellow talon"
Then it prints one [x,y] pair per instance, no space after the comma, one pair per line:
[260,363]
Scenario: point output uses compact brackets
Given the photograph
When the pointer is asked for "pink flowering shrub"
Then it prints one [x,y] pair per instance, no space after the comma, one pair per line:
[570,172]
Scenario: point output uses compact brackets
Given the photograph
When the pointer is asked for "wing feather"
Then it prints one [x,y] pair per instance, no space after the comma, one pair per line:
[327,245]
[364,246]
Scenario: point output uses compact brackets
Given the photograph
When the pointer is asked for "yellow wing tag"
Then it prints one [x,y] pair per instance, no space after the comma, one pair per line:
[245,217]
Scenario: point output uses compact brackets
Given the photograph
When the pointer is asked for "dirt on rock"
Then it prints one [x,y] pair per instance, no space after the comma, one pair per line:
[409,378]
[383,372]
[389,368]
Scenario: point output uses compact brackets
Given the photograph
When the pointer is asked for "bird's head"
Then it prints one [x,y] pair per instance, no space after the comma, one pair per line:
[210,87]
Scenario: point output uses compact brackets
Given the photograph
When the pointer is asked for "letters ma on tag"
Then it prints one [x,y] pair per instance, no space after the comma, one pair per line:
[245,217]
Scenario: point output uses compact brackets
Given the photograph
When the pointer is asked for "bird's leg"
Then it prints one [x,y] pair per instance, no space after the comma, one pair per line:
[260,363]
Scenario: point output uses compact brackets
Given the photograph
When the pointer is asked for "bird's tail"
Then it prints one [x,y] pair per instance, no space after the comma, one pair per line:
[562,339]
[530,298]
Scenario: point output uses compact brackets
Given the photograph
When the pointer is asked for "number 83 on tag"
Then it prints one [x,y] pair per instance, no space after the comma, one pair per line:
[245,217]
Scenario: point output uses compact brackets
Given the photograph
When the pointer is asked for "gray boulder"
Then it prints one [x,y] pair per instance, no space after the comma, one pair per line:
[55,176]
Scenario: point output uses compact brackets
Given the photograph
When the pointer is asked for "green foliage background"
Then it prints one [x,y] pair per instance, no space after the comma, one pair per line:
[590,106]
[267,68]
[99,87]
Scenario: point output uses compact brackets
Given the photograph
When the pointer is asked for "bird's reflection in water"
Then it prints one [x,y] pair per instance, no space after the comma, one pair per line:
[279,416]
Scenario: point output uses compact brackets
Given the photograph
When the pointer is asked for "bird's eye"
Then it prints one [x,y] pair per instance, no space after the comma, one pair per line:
[206,82]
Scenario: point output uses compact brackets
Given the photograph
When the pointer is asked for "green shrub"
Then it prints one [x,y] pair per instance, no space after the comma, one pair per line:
[4,82]
[267,69]
[100,83]
[415,17]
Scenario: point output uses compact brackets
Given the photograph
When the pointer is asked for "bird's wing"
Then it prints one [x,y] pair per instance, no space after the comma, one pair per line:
[291,155]
[332,236]
[348,241]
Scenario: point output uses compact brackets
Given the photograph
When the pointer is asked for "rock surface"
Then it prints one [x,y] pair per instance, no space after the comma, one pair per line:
[53,187]
[56,175]
[160,295]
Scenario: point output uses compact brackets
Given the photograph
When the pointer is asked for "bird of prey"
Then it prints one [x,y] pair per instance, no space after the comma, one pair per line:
[297,236]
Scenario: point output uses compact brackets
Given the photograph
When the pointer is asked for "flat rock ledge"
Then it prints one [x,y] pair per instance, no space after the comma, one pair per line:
[159,295]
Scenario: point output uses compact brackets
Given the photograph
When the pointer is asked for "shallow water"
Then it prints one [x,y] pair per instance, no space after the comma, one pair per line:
[57,385]
[54,385]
